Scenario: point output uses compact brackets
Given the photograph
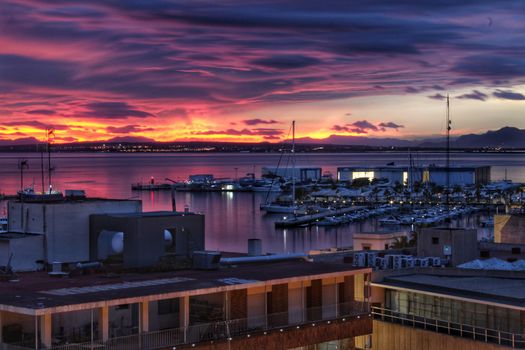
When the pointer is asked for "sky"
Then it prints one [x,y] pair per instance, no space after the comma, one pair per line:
[243,70]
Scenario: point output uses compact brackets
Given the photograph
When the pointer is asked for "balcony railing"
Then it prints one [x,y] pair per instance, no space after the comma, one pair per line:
[482,334]
[222,330]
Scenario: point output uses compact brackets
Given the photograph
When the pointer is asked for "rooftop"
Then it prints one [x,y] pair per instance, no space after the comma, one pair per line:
[489,289]
[75,200]
[38,291]
[154,214]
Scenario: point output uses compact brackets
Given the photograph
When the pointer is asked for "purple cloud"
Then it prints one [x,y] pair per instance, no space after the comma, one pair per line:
[474,95]
[258,121]
[390,125]
[509,95]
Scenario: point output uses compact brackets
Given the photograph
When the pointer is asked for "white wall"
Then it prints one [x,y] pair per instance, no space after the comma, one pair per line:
[66,224]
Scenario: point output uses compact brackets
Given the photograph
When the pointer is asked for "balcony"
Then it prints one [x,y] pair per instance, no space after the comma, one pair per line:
[227,330]
[485,335]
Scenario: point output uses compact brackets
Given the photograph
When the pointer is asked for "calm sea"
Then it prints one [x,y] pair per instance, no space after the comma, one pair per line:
[231,218]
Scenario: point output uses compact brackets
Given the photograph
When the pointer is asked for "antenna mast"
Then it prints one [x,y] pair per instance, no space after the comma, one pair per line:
[293,163]
[449,127]
[50,133]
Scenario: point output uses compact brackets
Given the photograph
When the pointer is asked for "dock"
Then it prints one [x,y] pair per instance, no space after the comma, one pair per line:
[309,219]
[152,187]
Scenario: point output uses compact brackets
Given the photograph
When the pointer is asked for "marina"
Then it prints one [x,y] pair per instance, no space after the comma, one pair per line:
[232,217]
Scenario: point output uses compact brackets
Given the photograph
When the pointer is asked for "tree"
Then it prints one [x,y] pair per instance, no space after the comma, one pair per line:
[360,182]
[404,242]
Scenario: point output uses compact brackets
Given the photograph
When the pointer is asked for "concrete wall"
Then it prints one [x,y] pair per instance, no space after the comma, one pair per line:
[144,235]
[65,224]
[389,336]
[26,250]
[457,177]
[509,229]
[464,244]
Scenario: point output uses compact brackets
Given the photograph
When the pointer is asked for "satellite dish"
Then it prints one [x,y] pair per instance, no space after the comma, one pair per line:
[117,243]
[168,238]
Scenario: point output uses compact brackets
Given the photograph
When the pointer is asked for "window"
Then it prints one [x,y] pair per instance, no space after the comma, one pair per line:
[435,240]
[168,306]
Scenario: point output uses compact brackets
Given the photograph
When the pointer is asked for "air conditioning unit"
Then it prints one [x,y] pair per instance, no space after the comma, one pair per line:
[424,262]
[206,260]
[389,258]
[371,257]
[410,262]
[435,261]
[359,259]
[397,262]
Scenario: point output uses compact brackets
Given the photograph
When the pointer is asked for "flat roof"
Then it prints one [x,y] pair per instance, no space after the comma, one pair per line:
[484,289]
[75,200]
[37,292]
[6,236]
[148,214]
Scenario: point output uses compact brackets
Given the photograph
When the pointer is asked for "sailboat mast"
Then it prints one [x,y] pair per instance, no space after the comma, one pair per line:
[42,166]
[448,152]
[49,131]
[293,163]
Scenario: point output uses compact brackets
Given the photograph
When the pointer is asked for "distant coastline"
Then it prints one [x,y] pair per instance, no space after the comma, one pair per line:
[205,147]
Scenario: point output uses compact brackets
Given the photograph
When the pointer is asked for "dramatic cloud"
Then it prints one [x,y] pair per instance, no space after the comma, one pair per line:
[509,95]
[474,95]
[437,96]
[127,129]
[348,129]
[390,125]
[364,127]
[101,66]
[258,121]
[265,132]
[113,110]
[286,61]
[41,112]
[35,124]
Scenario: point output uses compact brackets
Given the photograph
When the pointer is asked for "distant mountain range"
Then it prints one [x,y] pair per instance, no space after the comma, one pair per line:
[507,138]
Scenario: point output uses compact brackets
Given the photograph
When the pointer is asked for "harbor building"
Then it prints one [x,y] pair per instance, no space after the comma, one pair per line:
[509,228]
[300,173]
[455,246]
[462,176]
[391,173]
[434,309]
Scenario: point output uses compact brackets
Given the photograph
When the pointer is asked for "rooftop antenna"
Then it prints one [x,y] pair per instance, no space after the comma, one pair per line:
[50,136]
[22,165]
[449,127]
[42,166]
[293,164]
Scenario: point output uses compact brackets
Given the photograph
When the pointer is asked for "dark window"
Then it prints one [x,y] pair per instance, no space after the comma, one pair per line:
[516,250]
[168,306]
[484,254]
[386,246]
[435,240]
